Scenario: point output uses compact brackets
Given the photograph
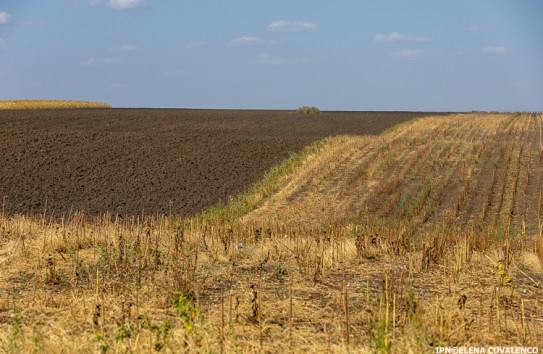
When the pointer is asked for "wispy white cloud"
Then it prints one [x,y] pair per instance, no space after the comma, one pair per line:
[100,62]
[3,45]
[398,37]
[4,18]
[391,37]
[120,4]
[125,48]
[195,44]
[494,50]
[126,4]
[291,26]
[245,41]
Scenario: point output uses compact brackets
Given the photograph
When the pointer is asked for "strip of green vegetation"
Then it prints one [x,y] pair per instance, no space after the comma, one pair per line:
[248,201]
[50,104]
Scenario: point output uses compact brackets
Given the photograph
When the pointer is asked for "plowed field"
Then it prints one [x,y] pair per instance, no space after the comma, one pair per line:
[153,161]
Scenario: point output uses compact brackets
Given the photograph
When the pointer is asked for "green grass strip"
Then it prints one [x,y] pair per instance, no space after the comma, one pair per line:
[261,190]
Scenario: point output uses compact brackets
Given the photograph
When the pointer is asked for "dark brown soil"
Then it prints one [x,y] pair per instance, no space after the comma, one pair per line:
[153,161]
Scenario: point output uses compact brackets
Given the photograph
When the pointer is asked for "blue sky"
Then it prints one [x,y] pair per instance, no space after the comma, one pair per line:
[347,55]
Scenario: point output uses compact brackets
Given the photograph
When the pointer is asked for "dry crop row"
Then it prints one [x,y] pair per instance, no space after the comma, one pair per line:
[50,104]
